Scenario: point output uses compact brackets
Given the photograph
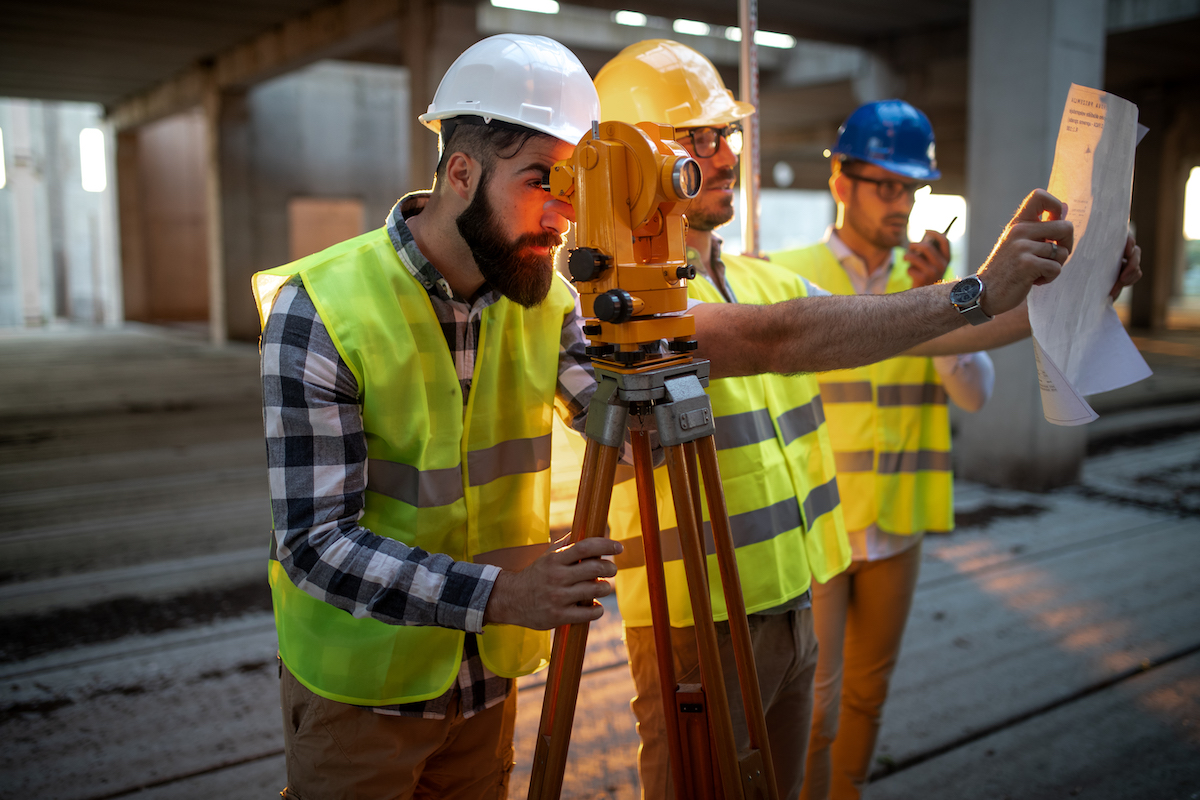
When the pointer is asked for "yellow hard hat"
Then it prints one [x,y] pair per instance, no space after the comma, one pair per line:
[659,80]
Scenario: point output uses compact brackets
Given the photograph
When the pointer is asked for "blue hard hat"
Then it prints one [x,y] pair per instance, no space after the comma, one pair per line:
[891,134]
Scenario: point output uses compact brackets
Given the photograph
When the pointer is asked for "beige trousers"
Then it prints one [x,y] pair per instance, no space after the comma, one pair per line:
[785,655]
[337,751]
[860,616]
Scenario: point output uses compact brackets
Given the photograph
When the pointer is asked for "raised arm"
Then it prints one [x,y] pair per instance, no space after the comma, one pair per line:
[1013,326]
[824,333]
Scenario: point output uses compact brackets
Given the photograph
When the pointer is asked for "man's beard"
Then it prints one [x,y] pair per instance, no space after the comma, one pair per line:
[886,237]
[521,276]
[715,215]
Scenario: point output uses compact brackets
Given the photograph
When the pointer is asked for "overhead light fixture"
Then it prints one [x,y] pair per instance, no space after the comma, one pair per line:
[768,39]
[782,41]
[634,19]
[91,160]
[691,27]
[536,6]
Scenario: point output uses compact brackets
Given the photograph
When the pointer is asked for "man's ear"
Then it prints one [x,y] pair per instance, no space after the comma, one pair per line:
[462,174]
[840,187]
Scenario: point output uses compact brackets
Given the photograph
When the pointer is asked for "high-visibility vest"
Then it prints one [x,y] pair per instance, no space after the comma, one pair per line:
[472,484]
[889,422]
[777,471]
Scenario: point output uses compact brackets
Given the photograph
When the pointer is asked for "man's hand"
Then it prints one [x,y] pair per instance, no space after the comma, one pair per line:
[550,591]
[1131,267]
[1030,253]
[928,259]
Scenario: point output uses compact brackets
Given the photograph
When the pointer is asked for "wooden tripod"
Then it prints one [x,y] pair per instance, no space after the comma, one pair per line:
[700,740]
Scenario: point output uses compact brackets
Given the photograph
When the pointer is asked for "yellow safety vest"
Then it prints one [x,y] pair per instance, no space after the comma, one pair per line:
[777,470]
[472,484]
[889,422]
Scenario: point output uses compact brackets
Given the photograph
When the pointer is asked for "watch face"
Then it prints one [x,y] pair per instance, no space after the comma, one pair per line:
[966,291]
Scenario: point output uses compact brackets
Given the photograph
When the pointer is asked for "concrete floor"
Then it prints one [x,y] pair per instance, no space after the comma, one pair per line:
[1053,648]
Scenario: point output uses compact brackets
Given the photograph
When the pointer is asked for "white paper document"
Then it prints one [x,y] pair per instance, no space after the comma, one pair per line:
[1061,404]
[1081,345]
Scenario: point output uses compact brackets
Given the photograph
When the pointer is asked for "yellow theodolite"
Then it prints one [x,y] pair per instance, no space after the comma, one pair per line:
[629,186]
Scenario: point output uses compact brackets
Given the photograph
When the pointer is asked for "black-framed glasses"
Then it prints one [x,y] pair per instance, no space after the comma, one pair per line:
[707,141]
[888,189]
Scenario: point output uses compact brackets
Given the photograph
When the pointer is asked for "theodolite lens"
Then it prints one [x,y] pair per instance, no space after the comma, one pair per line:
[686,178]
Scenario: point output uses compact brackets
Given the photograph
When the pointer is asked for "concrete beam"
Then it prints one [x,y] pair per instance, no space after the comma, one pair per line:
[323,33]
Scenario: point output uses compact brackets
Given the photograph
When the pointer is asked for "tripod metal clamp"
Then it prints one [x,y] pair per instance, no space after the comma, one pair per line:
[608,412]
[682,410]
[686,413]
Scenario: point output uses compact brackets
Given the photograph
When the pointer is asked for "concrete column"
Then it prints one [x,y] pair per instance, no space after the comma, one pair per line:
[418,23]
[111,311]
[1024,56]
[249,245]
[134,292]
[31,230]
[217,329]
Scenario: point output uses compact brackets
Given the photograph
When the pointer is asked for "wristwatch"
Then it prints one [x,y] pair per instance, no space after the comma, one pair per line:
[966,296]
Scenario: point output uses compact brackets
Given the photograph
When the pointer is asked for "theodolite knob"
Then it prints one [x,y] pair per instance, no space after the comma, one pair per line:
[586,264]
[615,305]
[687,272]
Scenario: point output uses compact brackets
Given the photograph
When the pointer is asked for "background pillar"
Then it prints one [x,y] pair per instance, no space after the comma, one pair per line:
[1024,56]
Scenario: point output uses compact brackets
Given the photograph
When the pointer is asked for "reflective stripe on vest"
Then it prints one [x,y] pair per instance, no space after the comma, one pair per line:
[473,483]
[777,473]
[889,422]
[439,487]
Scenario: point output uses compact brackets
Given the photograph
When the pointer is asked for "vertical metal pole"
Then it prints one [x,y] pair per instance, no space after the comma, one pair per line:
[748,92]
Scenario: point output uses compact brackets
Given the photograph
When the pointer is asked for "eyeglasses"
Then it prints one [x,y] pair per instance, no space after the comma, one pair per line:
[707,141]
[890,190]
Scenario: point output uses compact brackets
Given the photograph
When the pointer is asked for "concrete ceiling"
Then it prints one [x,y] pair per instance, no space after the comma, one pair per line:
[102,51]
[849,21]
[105,51]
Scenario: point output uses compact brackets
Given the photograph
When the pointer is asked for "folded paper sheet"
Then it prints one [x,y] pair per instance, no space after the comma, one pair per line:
[1082,346]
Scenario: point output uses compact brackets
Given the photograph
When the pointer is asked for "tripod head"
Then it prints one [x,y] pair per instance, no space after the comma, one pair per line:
[629,185]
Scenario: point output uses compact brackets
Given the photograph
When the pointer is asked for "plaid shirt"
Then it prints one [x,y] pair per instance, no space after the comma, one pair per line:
[317,460]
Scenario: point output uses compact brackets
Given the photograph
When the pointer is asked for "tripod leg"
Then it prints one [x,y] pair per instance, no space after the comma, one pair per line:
[691,541]
[656,581]
[570,641]
[743,649]
[689,450]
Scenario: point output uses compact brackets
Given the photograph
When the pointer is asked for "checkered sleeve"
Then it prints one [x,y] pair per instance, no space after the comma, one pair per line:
[577,384]
[317,461]
[576,377]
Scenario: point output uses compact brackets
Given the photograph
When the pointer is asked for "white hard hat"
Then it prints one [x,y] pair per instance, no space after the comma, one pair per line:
[532,81]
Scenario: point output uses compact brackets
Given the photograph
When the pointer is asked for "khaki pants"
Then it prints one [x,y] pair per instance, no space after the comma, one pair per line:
[337,751]
[860,617]
[785,655]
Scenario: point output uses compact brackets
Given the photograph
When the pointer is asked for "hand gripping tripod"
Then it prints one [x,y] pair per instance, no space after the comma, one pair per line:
[629,185]
[704,762]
